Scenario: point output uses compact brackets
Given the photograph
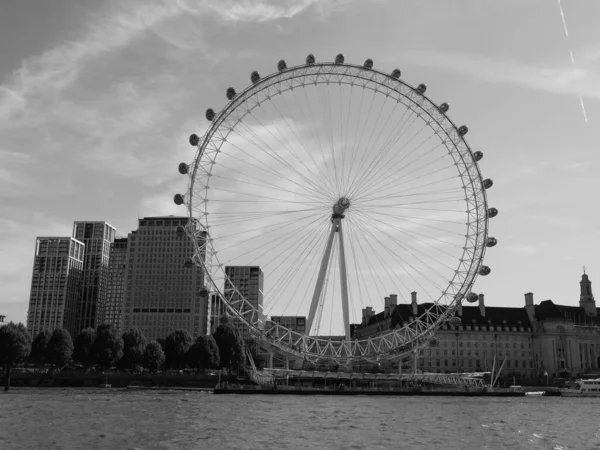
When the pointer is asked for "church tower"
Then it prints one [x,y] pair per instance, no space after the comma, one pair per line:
[586,300]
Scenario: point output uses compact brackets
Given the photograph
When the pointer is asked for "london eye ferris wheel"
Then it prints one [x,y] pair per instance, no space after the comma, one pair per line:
[344,184]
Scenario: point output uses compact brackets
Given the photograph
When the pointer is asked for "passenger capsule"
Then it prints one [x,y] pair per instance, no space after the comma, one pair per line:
[368,64]
[487,183]
[188,263]
[194,139]
[230,93]
[422,88]
[463,130]
[254,77]
[183,168]
[339,59]
[491,242]
[396,73]
[477,156]
[210,114]
[492,212]
[180,231]
[203,293]
[444,107]
[178,199]
[472,297]
[310,59]
[484,270]
[281,65]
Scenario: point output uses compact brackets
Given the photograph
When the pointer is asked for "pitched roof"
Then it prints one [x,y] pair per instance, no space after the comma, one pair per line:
[510,316]
[548,310]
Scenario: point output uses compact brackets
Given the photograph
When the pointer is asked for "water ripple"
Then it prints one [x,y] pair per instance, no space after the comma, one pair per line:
[149,420]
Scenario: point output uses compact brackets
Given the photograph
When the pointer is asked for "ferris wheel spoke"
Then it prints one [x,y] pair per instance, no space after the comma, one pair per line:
[262,228]
[412,232]
[385,266]
[316,134]
[368,173]
[390,169]
[384,183]
[356,147]
[322,175]
[309,251]
[303,228]
[376,215]
[329,128]
[264,183]
[404,263]
[270,151]
[407,246]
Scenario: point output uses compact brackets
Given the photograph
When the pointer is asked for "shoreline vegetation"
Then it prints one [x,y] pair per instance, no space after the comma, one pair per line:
[116,379]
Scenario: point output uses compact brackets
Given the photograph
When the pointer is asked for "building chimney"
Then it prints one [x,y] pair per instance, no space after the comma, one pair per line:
[393,300]
[530,308]
[413,302]
[481,305]
[529,299]
[386,310]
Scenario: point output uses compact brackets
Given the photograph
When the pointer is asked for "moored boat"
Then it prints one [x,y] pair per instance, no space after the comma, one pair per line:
[583,388]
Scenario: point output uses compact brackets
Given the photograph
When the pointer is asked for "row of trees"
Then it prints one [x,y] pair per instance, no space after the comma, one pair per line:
[104,348]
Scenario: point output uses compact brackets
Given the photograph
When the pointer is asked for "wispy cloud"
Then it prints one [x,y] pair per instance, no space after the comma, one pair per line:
[560,79]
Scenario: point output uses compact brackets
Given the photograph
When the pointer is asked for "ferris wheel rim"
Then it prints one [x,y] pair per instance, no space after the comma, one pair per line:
[393,84]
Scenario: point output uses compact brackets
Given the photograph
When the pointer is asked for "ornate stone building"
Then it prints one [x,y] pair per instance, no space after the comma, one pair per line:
[533,340]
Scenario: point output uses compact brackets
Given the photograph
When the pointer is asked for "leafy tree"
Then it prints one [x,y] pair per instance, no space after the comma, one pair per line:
[134,345]
[163,344]
[60,348]
[177,345]
[108,346]
[231,346]
[39,346]
[83,347]
[204,353]
[154,357]
[15,346]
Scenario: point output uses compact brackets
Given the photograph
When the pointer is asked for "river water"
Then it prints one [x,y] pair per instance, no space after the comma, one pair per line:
[145,420]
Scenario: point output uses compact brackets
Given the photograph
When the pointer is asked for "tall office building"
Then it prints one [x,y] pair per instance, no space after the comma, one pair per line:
[248,281]
[55,285]
[161,295]
[217,310]
[97,237]
[115,291]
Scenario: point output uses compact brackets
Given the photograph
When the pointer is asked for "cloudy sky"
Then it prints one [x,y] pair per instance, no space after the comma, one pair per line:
[97,100]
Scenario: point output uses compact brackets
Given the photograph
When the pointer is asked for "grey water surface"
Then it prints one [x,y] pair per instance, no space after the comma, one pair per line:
[146,420]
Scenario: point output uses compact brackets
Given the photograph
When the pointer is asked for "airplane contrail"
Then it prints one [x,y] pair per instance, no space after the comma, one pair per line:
[562,15]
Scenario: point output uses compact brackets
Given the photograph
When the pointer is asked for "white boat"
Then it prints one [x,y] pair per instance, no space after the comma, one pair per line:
[535,393]
[583,388]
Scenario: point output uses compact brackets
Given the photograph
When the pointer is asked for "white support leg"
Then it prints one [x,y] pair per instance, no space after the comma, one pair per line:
[320,280]
[343,281]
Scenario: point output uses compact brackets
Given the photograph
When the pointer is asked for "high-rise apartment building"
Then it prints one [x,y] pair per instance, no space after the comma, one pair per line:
[248,281]
[55,285]
[161,294]
[115,291]
[97,237]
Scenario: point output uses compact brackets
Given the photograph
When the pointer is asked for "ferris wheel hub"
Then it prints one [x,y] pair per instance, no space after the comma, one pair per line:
[340,207]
